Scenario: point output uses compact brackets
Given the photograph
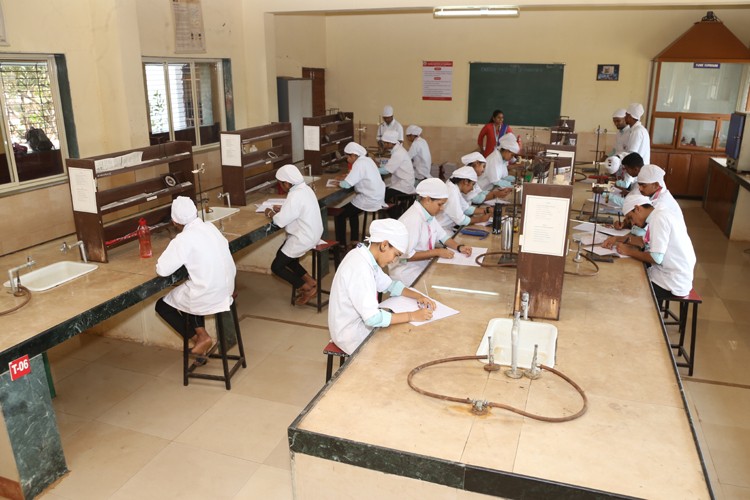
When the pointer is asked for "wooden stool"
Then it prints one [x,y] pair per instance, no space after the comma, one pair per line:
[332,350]
[317,269]
[681,321]
[188,369]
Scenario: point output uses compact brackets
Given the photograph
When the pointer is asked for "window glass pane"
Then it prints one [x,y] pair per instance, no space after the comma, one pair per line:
[5,171]
[181,98]
[723,132]
[209,111]
[683,88]
[156,94]
[698,133]
[663,131]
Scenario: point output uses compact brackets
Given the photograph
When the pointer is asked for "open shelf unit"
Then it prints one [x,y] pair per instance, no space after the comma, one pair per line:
[121,195]
[336,131]
[251,156]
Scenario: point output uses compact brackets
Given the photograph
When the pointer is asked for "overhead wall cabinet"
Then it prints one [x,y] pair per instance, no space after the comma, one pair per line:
[698,82]
[325,140]
[111,192]
[251,156]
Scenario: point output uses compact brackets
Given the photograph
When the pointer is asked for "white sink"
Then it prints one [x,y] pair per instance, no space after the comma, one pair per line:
[532,332]
[217,213]
[310,179]
[54,275]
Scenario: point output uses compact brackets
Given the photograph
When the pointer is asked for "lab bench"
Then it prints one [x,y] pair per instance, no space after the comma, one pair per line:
[727,200]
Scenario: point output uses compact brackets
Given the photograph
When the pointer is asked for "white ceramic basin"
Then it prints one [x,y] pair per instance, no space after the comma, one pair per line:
[217,213]
[310,179]
[532,332]
[54,275]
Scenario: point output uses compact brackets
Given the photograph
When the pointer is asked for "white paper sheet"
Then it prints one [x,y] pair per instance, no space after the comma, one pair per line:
[83,189]
[405,304]
[332,183]
[269,203]
[600,228]
[603,251]
[544,225]
[585,238]
[231,150]
[311,138]
[497,201]
[460,259]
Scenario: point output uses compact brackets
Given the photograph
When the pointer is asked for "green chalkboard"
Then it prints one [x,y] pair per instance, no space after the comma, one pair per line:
[528,94]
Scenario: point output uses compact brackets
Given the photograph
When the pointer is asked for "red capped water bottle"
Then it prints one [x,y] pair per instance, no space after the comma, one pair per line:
[144,238]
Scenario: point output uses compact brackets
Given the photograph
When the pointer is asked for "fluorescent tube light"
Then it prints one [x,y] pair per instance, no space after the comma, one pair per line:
[477,11]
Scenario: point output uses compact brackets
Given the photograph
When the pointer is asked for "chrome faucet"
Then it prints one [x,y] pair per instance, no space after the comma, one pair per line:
[227,198]
[65,247]
[525,304]
[14,277]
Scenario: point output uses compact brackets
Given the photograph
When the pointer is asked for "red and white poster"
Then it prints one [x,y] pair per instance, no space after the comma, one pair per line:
[437,80]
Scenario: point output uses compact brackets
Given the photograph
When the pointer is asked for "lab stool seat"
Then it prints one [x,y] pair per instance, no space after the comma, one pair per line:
[332,350]
[222,346]
[381,213]
[317,267]
[680,320]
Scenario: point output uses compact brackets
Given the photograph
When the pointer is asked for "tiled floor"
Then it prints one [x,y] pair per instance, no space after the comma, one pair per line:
[131,430]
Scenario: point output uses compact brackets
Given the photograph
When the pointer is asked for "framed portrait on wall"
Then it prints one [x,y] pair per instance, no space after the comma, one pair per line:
[607,72]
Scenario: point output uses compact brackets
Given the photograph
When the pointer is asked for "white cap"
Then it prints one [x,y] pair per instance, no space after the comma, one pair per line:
[390,136]
[613,164]
[465,173]
[650,174]
[432,188]
[472,157]
[633,200]
[413,130]
[388,110]
[509,142]
[183,210]
[620,113]
[290,174]
[356,149]
[390,230]
[635,110]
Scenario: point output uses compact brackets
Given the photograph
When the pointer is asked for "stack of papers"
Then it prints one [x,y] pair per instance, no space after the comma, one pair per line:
[460,259]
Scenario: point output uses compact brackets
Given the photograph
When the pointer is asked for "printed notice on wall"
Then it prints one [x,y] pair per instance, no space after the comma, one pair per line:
[545,221]
[437,80]
[83,189]
[189,36]
[231,150]
[311,138]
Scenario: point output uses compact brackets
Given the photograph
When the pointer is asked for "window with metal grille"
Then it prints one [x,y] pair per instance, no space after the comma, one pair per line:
[185,101]
[32,123]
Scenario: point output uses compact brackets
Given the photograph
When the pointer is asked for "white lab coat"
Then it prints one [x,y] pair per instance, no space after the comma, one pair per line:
[423,235]
[663,198]
[621,141]
[668,235]
[394,125]
[354,298]
[367,183]
[419,152]
[300,217]
[496,169]
[204,251]
[454,210]
[401,169]
[475,191]
[639,142]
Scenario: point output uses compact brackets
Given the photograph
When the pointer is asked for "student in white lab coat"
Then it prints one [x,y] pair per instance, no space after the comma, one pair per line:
[666,246]
[425,233]
[419,152]
[628,184]
[300,217]
[639,140]
[623,132]
[496,173]
[389,123]
[651,184]
[477,195]
[369,186]
[204,252]
[457,211]
[353,310]
[401,169]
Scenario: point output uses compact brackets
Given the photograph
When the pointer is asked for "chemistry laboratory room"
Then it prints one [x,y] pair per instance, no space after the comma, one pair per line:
[327,250]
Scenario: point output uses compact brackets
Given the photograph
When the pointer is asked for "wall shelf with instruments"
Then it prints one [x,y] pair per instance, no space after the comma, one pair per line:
[327,136]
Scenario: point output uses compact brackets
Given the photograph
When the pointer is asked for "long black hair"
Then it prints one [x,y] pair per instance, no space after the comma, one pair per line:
[494,114]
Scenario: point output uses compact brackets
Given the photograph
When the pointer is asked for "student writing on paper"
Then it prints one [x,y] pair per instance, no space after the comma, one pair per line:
[426,235]
[457,211]
[300,217]
[477,195]
[353,310]
[496,173]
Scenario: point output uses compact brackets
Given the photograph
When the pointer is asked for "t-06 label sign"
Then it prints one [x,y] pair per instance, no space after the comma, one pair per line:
[19,367]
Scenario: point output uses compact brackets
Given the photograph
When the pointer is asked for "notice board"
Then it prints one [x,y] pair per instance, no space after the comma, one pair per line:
[528,94]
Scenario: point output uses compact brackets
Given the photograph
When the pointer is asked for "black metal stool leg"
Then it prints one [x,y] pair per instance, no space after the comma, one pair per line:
[185,356]
[240,346]
[692,339]
[329,367]
[223,348]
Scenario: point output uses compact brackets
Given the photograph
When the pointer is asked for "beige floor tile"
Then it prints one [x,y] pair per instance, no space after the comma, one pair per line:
[264,336]
[268,483]
[739,310]
[173,371]
[279,457]
[184,472]
[48,495]
[68,424]
[102,457]
[721,405]
[241,426]
[140,358]
[94,389]
[92,347]
[65,366]
[735,492]
[163,408]
[730,450]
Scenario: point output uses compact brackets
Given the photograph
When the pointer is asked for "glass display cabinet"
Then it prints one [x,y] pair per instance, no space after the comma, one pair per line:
[698,82]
